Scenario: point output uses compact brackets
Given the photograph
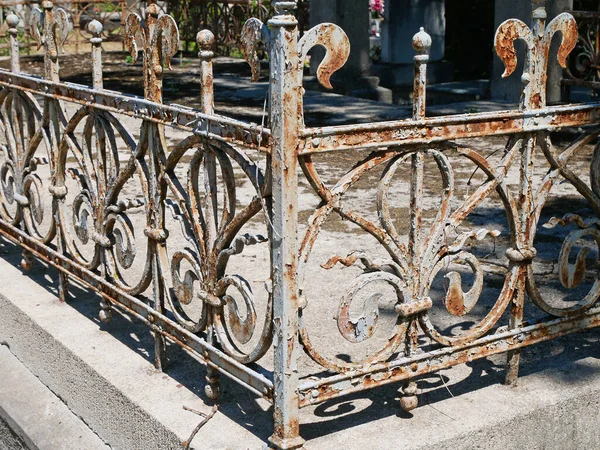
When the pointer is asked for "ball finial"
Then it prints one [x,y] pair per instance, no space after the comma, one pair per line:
[421,42]
[95,27]
[12,20]
[205,40]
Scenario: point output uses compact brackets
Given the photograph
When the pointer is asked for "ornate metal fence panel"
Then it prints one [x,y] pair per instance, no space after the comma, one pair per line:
[152,218]
[110,14]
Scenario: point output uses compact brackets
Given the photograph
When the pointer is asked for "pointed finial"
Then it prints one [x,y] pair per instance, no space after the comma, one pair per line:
[421,42]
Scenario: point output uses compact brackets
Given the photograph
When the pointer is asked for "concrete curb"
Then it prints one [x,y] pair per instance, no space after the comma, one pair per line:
[36,415]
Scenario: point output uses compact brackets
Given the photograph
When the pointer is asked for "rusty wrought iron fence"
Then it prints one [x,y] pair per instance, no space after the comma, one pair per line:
[224,17]
[110,13]
[154,220]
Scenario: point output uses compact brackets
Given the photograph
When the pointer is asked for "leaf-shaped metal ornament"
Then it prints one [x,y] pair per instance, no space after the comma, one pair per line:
[36,26]
[60,28]
[253,33]
[337,44]
[567,25]
[167,33]
[133,25]
[505,38]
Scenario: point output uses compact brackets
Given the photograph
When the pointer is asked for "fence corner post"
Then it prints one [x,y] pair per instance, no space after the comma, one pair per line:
[285,91]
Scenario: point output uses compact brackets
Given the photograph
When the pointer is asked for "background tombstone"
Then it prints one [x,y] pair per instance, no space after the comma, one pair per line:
[403,18]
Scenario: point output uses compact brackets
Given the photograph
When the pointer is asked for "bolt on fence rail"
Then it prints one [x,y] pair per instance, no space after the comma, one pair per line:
[155,225]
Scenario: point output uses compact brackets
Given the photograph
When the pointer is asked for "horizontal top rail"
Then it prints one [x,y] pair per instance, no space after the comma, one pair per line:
[213,126]
[444,128]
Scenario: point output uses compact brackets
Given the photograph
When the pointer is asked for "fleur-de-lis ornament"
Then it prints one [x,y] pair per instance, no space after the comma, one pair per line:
[537,42]
[50,29]
[160,37]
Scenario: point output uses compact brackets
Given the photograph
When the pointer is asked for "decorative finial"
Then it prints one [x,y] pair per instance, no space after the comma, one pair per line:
[284,8]
[12,20]
[206,41]
[95,27]
[152,9]
[421,42]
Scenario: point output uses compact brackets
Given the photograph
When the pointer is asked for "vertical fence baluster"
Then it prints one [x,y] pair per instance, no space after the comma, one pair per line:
[534,97]
[95,28]
[206,41]
[422,44]
[12,20]
[286,89]
[55,30]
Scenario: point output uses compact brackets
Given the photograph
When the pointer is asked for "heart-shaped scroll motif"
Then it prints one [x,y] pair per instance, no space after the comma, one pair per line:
[206,206]
[98,215]
[328,35]
[160,36]
[337,44]
[537,43]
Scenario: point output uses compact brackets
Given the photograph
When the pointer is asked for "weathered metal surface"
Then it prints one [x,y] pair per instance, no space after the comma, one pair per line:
[317,391]
[87,228]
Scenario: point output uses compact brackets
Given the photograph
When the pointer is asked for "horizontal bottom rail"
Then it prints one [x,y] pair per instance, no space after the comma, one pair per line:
[317,391]
[198,348]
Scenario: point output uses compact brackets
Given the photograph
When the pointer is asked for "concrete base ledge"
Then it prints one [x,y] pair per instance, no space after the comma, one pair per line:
[39,420]
[104,375]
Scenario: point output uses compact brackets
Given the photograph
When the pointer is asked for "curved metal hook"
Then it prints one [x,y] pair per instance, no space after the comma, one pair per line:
[506,35]
[60,27]
[253,33]
[567,25]
[337,44]
[167,33]
[36,24]
[134,24]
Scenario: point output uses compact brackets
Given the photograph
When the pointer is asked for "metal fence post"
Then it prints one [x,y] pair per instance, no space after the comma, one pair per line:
[286,90]
[206,41]
[12,20]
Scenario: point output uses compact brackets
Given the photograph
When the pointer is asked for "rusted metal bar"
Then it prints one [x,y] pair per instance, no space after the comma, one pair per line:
[445,128]
[285,92]
[504,340]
